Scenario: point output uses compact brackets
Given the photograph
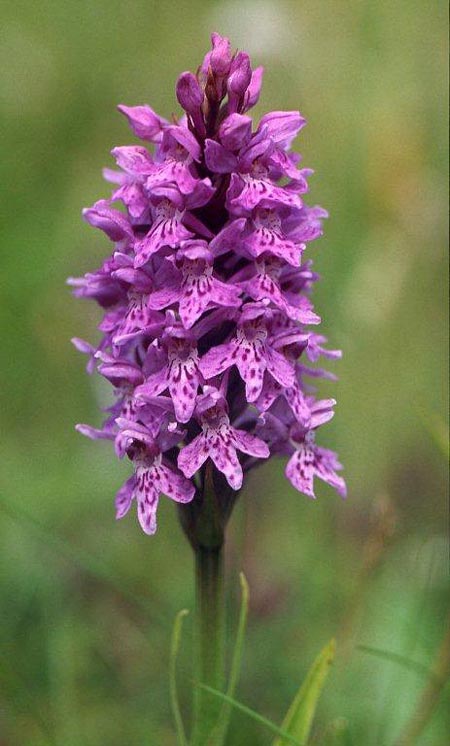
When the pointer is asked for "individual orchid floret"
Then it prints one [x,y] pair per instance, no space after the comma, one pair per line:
[263,281]
[251,351]
[282,126]
[309,461]
[100,285]
[113,222]
[220,57]
[179,372]
[188,280]
[191,98]
[175,161]
[144,122]
[219,441]
[206,335]
[153,476]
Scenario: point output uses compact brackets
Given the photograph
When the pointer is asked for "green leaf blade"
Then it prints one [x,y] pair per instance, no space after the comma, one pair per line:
[299,717]
[219,734]
[174,701]
[251,714]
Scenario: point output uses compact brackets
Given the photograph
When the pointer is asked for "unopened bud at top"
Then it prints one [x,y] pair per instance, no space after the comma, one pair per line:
[220,59]
[238,81]
[189,93]
[190,97]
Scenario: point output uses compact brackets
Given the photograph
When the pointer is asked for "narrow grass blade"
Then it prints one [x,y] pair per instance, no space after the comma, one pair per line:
[396,658]
[219,734]
[174,702]
[438,430]
[299,718]
[251,714]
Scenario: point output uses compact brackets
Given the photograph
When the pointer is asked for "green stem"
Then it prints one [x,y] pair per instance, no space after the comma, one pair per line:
[209,653]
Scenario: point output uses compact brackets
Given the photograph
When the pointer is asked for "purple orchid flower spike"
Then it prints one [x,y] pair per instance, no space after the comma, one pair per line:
[206,335]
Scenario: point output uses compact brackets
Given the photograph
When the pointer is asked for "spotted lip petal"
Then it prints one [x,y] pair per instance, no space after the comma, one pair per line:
[220,442]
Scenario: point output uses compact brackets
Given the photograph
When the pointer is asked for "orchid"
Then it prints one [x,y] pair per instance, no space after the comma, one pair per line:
[208,330]
[207,294]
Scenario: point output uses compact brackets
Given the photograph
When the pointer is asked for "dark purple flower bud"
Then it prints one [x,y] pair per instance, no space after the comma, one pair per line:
[190,97]
[189,93]
[238,81]
[220,57]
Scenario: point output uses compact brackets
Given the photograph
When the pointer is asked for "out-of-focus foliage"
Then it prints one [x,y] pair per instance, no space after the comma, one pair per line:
[86,617]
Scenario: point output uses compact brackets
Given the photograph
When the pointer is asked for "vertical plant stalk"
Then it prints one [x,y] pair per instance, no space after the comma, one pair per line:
[209,639]
[174,702]
[204,523]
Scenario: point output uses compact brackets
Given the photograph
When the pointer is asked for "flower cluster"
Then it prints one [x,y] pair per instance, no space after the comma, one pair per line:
[206,334]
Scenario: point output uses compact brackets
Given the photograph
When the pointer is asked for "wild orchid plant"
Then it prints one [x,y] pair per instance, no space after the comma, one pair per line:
[207,332]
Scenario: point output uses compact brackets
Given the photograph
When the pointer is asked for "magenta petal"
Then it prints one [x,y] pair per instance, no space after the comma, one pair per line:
[147,499]
[95,433]
[153,386]
[175,485]
[218,359]
[124,497]
[219,159]
[224,294]
[112,222]
[165,297]
[134,159]
[193,456]
[165,233]
[250,444]
[235,131]
[283,126]
[225,459]
[254,89]
[183,386]
[300,473]
[144,122]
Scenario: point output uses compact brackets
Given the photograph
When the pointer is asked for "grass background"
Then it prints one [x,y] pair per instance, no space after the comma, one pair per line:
[86,605]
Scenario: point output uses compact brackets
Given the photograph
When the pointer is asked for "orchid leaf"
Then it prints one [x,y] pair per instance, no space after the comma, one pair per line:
[219,734]
[174,701]
[401,660]
[437,429]
[251,714]
[299,718]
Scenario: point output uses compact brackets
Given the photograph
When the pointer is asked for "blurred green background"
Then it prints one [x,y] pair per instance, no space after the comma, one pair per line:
[87,605]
